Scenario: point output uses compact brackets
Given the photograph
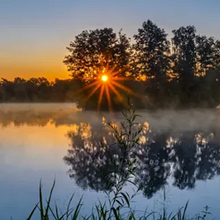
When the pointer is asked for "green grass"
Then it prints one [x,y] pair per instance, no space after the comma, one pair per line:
[104,212]
[118,203]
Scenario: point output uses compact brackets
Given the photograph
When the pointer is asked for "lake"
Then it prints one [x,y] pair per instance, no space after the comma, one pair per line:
[179,154]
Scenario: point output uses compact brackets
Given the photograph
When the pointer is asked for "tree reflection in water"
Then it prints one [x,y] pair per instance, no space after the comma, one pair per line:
[184,156]
[181,145]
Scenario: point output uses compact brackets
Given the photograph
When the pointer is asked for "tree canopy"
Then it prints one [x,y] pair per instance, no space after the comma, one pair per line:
[94,50]
[178,72]
[157,71]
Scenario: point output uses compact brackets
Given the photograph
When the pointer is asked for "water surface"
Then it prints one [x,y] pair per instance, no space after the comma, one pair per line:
[179,153]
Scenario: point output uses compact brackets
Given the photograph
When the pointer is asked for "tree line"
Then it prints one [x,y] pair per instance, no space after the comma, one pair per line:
[180,71]
[37,90]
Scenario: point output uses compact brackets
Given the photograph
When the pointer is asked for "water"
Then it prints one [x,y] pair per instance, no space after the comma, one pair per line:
[180,155]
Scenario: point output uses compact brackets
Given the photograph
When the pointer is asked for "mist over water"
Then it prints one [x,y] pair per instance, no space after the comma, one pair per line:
[67,113]
[181,154]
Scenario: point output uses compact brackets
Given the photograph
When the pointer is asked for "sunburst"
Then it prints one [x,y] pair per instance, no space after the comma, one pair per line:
[109,80]
[104,78]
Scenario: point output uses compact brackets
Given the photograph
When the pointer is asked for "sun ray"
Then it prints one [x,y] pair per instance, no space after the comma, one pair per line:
[108,98]
[88,86]
[107,66]
[120,78]
[123,87]
[93,91]
[107,79]
[115,91]
[115,73]
[112,70]
[100,96]
[119,71]
[118,94]
[126,89]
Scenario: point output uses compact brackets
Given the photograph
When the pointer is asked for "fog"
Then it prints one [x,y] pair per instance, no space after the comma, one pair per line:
[41,154]
[67,114]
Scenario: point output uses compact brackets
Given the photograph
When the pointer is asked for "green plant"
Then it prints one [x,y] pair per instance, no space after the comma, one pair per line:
[118,203]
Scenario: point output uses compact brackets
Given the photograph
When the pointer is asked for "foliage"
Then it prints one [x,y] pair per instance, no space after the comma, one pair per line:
[152,58]
[175,71]
[38,90]
[92,54]
[181,72]
[118,204]
[94,50]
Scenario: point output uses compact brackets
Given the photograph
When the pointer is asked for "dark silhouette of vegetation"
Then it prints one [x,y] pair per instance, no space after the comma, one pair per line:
[98,52]
[93,50]
[181,72]
[38,90]
[157,72]
[110,163]
[185,156]
[151,59]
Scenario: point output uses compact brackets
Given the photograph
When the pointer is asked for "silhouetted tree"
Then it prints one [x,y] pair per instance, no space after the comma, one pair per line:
[205,48]
[156,72]
[98,52]
[93,51]
[184,46]
[151,58]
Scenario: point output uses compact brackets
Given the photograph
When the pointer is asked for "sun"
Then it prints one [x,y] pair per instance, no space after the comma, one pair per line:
[104,78]
[107,82]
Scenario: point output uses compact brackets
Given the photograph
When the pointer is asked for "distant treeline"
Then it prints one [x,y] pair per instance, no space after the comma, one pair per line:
[38,90]
[183,71]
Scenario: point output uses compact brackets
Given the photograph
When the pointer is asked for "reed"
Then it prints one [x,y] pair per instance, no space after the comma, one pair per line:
[118,203]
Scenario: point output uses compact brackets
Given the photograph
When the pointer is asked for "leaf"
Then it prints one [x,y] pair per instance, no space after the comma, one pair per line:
[32,212]
[126,199]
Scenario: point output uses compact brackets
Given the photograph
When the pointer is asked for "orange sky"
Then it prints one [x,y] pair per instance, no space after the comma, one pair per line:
[35,63]
[34,36]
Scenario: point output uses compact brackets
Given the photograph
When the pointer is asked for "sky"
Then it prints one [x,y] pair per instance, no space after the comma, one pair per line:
[34,34]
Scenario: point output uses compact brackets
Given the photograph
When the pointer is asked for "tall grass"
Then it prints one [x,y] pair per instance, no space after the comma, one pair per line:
[103,212]
[118,203]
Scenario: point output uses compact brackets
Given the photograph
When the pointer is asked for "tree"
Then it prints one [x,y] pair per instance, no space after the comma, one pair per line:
[92,51]
[205,48]
[7,90]
[184,46]
[151,57]
[65,90]
[217,54]
[92,54]
[19,89]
